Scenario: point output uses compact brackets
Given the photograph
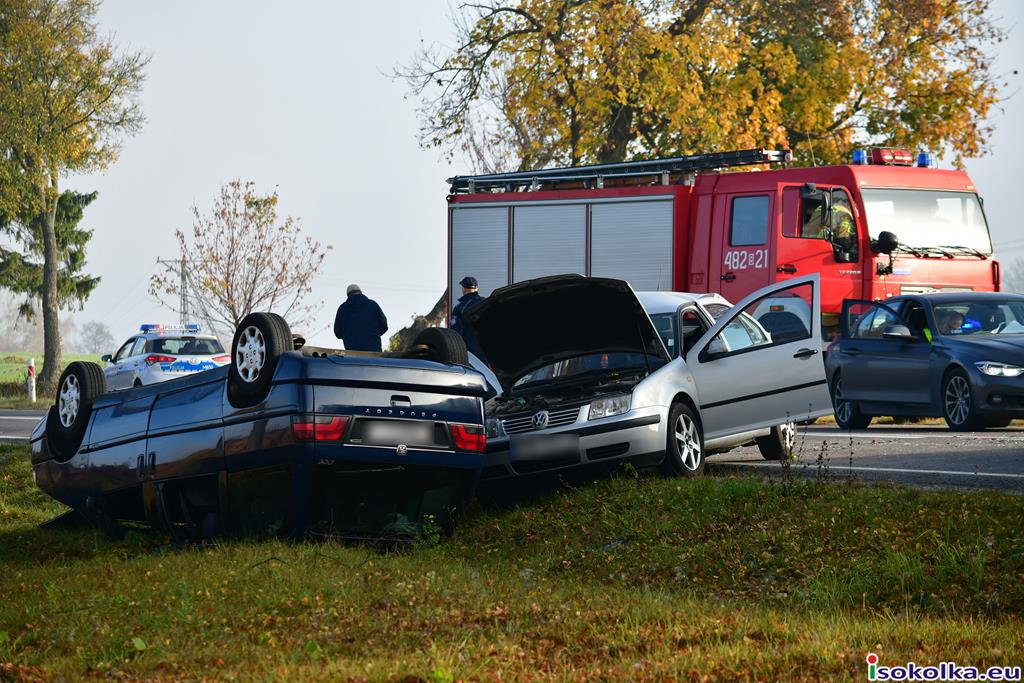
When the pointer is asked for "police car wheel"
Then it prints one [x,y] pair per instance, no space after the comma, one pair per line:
[79,386]
[259,341]
[441,345]
[848,414]
[958,403]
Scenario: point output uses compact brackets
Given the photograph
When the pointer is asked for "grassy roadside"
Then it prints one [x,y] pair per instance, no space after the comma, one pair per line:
[631,578]
[12,378]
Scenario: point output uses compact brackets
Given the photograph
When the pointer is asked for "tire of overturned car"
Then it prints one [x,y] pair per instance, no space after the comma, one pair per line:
[259,341]
[79,385]
[441,345]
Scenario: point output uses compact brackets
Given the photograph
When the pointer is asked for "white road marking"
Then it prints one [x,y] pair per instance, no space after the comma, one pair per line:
[5,437]
[20,417]
[840,469]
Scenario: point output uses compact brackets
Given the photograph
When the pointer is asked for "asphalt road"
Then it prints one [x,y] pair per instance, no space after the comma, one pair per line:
[915,455]
[16,425]
[929,456]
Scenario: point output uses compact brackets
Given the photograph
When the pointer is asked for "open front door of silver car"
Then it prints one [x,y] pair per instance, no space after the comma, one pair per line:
[761,364]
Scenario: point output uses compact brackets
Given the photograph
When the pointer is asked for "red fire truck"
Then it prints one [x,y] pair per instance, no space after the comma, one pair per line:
[887,224]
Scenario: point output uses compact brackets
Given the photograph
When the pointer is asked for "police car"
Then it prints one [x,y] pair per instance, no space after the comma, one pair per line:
[162,352]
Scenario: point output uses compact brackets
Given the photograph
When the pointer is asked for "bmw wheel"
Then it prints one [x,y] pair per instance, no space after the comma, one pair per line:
[684,452]
[848,415]
[958,403]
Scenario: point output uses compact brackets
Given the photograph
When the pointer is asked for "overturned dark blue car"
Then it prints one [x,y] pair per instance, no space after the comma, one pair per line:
[287,440]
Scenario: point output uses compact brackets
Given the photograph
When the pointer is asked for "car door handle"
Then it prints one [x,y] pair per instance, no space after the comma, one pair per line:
[805,353]
[729,277]
[787,268]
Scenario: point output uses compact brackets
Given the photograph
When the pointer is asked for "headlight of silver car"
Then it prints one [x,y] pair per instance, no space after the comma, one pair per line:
[493,428]
[608,406]
[994,369]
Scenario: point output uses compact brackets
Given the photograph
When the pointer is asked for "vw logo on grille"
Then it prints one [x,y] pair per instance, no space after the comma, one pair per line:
[402,449]
[540,419]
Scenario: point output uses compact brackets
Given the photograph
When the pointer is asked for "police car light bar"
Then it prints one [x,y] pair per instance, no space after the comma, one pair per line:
[161,327]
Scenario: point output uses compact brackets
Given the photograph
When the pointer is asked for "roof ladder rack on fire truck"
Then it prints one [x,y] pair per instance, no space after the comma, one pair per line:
[594,176]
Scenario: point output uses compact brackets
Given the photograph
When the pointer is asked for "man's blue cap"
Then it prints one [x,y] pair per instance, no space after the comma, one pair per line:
[469,282]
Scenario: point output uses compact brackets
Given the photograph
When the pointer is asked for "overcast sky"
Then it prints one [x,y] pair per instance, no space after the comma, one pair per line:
[294,96]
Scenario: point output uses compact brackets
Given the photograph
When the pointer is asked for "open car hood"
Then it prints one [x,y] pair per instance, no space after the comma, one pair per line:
[534,323]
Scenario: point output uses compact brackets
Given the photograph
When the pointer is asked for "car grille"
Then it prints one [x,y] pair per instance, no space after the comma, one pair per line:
[523,422]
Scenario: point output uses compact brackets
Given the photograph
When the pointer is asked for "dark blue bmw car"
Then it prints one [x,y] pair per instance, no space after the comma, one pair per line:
[955,355]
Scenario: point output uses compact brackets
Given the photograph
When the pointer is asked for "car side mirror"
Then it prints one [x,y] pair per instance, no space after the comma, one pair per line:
[105,358]
[716,347]
[898,333]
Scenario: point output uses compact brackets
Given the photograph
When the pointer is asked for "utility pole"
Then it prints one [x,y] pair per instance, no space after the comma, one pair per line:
[182,285]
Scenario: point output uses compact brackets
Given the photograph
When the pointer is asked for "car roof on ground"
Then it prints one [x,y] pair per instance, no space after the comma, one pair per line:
[972,297]
[668,302]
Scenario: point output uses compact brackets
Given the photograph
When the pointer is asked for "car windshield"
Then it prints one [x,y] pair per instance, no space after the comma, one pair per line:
[583,365]
[928,218]
[975,318]
[186,346]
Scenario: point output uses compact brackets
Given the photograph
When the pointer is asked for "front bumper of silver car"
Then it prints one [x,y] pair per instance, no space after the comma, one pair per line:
[636,434]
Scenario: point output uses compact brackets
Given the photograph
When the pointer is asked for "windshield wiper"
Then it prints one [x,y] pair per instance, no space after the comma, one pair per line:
[923,252]
[966,250]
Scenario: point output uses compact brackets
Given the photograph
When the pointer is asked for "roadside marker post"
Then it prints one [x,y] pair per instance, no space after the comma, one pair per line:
[30,381]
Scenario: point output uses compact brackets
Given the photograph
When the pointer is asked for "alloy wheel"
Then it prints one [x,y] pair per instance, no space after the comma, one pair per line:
[688,442]
[787,434]
[957,399]
[843,408]
[69,400]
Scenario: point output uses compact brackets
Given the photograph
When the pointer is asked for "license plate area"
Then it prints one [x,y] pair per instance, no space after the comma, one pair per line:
[412,433]
[541,447]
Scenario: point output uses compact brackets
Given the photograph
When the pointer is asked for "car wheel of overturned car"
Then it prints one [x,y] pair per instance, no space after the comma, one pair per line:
[958,403]
[848,415]
[780,443]
[684,452]
[79,385]
[259,341]
[439,344]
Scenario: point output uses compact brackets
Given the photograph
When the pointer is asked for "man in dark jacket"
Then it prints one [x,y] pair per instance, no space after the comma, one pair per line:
[360,322]
[470,297]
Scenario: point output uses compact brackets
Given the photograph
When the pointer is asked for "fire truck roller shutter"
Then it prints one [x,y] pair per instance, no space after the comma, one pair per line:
[479,248]
[549,239]
[633,241]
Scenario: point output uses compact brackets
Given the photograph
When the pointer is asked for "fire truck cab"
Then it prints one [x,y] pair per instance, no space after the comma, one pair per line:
[885,225]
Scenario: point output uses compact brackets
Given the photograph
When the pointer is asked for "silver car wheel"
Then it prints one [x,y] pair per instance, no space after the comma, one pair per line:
[688,442]
[843,408]
[250,354]
[958,400]
[70,398]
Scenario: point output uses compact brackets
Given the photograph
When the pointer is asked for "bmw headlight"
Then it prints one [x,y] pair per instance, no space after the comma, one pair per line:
[994,369]
[493,428]
[608,406]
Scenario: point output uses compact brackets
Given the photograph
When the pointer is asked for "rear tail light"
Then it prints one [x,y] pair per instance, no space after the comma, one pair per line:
[319,427]
[155,358]
[222,359]
[469,438]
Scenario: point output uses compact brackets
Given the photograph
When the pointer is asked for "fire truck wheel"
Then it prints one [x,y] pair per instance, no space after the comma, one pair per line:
[259,341]
[440,344]
[848,415]
[79,385]
[780,444]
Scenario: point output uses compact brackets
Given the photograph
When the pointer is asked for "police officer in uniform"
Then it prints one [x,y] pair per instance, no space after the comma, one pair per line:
[470,297]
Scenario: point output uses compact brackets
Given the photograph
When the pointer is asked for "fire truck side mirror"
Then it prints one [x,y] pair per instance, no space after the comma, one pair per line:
[885,244]
[817,202]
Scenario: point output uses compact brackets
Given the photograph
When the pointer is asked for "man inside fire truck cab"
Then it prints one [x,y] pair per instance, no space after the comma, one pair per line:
[843,230]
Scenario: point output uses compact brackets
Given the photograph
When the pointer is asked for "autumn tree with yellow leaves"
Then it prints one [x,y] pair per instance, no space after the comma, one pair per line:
[67,99]
[242,257]
[532,83]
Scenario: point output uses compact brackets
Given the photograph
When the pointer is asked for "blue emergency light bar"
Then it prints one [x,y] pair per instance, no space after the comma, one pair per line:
[161,327]
[887,156]
[925,159]
[860,157]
